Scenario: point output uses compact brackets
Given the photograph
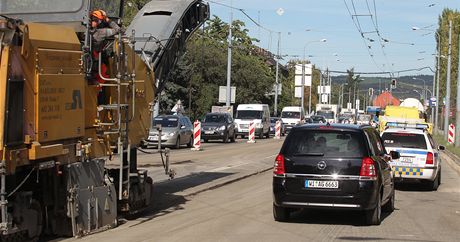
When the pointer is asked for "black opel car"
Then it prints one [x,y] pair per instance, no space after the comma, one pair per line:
[334,166]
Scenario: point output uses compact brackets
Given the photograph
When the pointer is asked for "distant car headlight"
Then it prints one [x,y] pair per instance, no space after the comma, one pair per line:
[222,128]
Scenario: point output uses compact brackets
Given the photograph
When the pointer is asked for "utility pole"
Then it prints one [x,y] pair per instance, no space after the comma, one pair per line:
[447,107]
[457,116]
[229,58]
[436,117]
[277,70]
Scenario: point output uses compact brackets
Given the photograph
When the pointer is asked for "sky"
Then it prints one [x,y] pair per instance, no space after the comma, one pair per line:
[303,23]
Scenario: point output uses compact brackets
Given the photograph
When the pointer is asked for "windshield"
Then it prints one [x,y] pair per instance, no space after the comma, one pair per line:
[326,143]
[248,114]
[317,119]
[289,114]
[364,117]
[166,122]
[214,118]
[404,140]
[327,115]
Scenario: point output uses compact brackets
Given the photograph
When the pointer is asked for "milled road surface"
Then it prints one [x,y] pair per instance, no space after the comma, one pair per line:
[241,210]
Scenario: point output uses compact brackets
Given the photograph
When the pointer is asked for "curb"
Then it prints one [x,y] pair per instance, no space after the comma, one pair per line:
[452,160]
[227,182]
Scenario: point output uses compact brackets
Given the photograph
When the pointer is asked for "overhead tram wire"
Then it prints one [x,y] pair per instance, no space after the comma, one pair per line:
[358,27]
[375,23]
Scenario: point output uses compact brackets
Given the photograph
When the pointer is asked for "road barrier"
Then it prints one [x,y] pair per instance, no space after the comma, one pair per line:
[196,136]
[277,130]
[451,135]
[252,133]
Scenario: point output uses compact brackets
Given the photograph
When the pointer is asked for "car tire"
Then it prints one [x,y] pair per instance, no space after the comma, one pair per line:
[389,207]
[190,143]
[233,138]
[374,216]
[225,139]
[433,185]
[280,214]
[177,145]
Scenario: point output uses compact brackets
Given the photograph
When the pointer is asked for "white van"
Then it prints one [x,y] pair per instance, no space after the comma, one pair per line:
[292,116]
[257,113]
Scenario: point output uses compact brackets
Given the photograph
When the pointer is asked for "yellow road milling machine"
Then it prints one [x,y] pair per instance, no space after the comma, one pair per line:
[58,126]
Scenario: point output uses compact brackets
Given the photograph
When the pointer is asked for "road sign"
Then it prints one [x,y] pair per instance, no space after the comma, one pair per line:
[223,94]
[432,101]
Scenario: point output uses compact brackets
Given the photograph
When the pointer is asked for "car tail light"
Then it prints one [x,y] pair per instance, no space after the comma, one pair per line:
[429,159]
[279,165]
[367,168]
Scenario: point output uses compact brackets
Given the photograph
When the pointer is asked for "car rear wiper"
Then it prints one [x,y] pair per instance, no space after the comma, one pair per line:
[308,154]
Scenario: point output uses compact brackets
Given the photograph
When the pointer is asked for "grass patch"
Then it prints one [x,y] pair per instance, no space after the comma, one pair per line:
[450,147]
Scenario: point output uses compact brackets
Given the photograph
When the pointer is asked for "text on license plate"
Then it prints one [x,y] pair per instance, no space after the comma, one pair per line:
[209,132]
[321,184]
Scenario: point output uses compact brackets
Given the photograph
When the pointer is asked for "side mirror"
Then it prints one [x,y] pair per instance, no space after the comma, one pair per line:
[441,147]
[395,155]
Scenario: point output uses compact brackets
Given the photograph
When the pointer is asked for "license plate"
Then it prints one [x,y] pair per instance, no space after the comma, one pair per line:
[405,160]
[209,132]
[321,184]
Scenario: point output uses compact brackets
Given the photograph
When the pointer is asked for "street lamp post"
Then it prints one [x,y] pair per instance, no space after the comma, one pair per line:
[435,112]
[302,95]
[277,70]
[423,96]
[447,106]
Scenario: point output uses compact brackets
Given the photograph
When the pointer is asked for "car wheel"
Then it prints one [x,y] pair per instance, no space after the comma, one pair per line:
[390,205]
[190,143]
[433,185]
[280,214]
[177,146]
[233,137]
[373,216]
[225,139]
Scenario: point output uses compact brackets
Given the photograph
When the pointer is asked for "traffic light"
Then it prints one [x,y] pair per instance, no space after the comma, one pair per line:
[393,83]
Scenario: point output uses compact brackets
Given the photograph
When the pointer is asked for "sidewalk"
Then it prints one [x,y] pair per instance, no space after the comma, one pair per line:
[451,159]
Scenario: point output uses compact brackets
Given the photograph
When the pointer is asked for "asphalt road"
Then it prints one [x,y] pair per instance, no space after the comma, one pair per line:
[209,201]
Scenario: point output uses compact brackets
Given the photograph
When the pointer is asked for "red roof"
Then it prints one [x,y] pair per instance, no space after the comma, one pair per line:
[385,99]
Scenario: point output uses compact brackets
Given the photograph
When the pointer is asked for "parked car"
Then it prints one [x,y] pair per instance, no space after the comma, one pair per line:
[177,130]
[272,126]
[420,159]
[318,119]
[333,166]
[218,126]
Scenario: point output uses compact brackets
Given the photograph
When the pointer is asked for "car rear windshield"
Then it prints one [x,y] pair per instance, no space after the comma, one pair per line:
[290,114]
[404,140]
[214,118]
[328,115]
[248,114]
[166,122]
[326,143]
